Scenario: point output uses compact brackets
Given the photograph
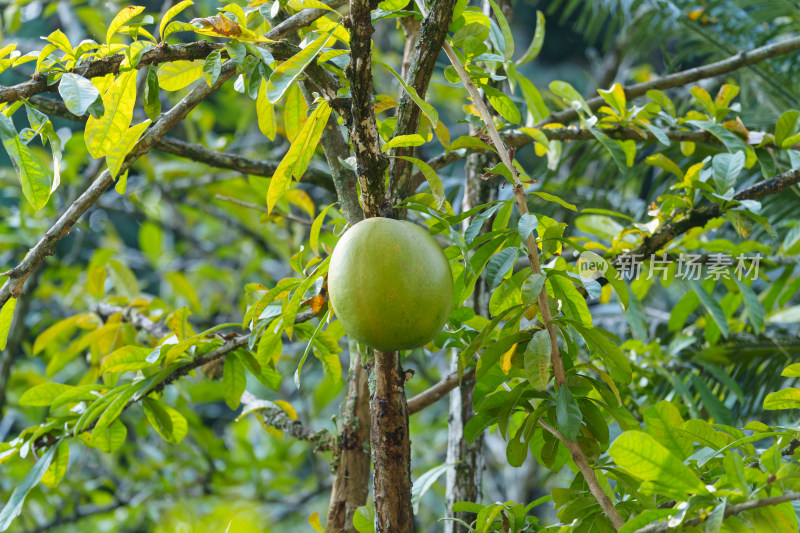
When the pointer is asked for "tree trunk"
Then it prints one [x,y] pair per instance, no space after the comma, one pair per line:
[351,482]
[391,447]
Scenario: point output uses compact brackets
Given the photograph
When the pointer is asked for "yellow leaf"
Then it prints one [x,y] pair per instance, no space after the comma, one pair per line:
[299,155]
[505,359]
[301,199]
[104,133]
[314,521]
[294,113]
[266,113]
[117,155]
[286,406]
[122,17]
[179,74]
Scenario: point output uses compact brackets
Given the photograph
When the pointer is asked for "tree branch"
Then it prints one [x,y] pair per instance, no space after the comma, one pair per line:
[679,79]
[700,216]
[165,53]
[439,390]
[46,244]
[432,34]
[517,138]
[729,511]
[274,416]
[195,152]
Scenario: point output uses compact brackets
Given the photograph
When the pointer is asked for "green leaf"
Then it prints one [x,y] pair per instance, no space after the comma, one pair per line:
[114,408]
[415,139]
[288,71]
[78,93]
[234,381]
[613,147]
[508,38]
[364,519]
[573,304]
[6,316]
[426,108]
[642,456]
[661,421]
[58,467]
[435,183]
[572,97]
[104,133]
[116,156]
[152,101]
[107,439]
[727,168]
[618,365]
[170,14]
[727,137]
[704,433]
[783,399]
[212,67]
[537,359]
[527,223]
[266,113]
[316,226]
[533,99]
[121,19]
[568,414]
[503,104]
[532,288]
[126,359]
[536,44]
[555,199]
[499,265]
[179,74]
[43,394]
[308,348]
[712,306]
[424,482]
[168,423]
[13,506]
[296,160]
[35,179]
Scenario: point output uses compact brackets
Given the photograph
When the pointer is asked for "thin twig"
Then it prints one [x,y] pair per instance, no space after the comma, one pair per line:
[47,243]
[533,255]
[729,511]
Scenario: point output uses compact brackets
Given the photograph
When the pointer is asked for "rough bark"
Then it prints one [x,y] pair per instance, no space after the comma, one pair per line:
[371,163]
[428,47]
[351,482]
[391,447]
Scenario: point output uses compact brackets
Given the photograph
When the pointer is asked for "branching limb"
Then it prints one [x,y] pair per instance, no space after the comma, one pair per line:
[165,53]
[684,77]
[277,418]
[729,511]
[700,216]
[195,152]
[45,246]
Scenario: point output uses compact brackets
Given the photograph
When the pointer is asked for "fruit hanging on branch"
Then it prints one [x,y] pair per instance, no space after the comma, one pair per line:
[390,284]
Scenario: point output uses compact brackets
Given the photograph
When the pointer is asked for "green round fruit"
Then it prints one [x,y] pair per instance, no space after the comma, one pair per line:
[390,284]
